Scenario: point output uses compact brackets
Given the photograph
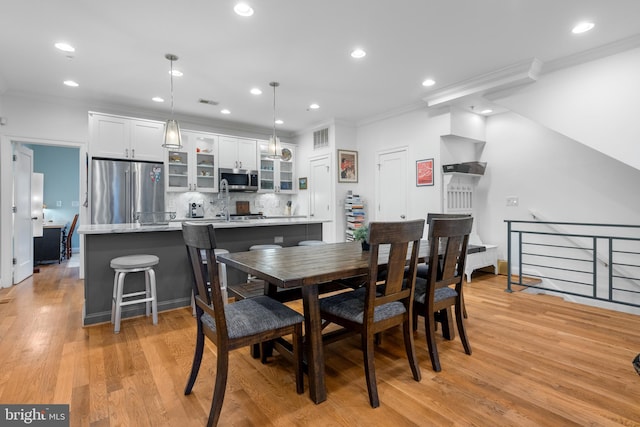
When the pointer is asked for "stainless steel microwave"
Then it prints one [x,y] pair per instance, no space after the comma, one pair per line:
[239,179]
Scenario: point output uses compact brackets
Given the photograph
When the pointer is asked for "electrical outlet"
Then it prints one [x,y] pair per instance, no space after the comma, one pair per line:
[59,203]
[75,204]
[278,239]
[512,202]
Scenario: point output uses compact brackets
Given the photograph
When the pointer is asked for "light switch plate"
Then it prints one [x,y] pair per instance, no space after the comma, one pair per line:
[512,202]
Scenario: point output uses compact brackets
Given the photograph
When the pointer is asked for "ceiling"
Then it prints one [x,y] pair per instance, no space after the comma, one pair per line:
[304,45]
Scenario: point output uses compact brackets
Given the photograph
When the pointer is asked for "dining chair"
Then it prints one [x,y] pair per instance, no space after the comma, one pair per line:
[423,269]
[69,236]
[378,306]
[236,325]
[435,295]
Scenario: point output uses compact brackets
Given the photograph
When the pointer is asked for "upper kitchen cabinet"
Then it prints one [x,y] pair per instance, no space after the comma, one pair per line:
[237,153]
[194,167]
[277,175]
[119,137]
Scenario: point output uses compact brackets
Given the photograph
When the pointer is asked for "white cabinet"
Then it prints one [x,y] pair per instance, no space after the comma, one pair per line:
[237,153]
[119,137]
[277,175]
[194,167]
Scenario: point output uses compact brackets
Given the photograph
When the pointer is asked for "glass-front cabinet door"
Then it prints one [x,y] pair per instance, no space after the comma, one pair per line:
[276,175]
[194,167]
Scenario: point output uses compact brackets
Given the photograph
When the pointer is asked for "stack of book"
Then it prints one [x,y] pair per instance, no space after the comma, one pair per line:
[354,208]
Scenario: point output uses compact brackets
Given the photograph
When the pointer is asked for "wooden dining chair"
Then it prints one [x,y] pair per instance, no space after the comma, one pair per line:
[378,306]
[67,245]
[434,296]
[236,325]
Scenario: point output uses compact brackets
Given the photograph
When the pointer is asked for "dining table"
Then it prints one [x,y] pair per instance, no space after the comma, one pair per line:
[308,267]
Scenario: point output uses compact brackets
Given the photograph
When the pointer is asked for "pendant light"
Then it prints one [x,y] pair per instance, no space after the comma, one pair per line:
[275,150]
[172,139]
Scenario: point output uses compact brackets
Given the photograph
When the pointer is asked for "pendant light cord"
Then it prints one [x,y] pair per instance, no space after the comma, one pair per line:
[171,75]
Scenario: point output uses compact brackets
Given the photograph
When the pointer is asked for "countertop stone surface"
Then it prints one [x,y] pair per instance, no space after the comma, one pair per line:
[177,225]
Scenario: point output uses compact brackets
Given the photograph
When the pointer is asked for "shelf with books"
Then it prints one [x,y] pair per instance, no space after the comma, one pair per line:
[354,213]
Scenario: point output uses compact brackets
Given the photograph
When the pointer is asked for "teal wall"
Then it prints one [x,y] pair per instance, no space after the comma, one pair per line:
[60,166]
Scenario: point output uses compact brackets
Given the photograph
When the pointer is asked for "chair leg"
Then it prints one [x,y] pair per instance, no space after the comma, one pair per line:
[219,389]
[461,329]
[298,358]
[411,350]
[431,342]
[119,293]
[197,359]
[370,369]
[154,295]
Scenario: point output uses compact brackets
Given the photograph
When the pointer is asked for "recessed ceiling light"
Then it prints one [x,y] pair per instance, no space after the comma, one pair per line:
[157,99]
[279,122]
[583,27]
[256,91]
[314,106]
[225,111]
[358,53]
[486,111]
[243,9]
[428,82]
[65,47]
[176,73]
[71,83]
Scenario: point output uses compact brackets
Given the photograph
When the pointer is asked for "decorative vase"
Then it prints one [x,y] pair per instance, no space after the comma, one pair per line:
[365,245]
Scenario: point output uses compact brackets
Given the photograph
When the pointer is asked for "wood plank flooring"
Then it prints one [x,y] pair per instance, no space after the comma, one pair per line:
[537,361]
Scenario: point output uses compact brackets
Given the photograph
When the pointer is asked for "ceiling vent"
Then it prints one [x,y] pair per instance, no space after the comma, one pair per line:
[207,101]
[321,138]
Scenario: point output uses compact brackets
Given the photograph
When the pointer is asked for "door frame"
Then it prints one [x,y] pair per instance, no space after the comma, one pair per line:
[6,197]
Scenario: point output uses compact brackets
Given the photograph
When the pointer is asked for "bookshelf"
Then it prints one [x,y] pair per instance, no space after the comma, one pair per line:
[355,214]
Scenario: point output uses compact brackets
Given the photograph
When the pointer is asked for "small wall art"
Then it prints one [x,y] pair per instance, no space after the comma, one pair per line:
[347,166]
[424,172]
[302,183]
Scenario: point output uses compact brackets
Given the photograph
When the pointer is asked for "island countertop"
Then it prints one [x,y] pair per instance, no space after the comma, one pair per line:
[177,225]
[104,242]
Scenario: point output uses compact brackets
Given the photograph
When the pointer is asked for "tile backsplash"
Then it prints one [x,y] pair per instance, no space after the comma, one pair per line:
[269,204]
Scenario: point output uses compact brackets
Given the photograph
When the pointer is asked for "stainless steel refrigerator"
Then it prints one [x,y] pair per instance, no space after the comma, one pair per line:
[120,188]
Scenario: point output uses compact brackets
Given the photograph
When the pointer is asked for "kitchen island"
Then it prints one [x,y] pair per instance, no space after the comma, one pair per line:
[103,242]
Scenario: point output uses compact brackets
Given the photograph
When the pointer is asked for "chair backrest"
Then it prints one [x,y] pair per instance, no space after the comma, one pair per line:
[399,236]
[432,216]
[200,240]
[448,240]
[73,225]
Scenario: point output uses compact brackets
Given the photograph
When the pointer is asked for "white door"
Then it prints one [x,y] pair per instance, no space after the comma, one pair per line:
[37,192]
[391,183]
[22,227]
[319,185]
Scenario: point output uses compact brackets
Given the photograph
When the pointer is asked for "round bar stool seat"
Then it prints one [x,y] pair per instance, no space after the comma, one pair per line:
[311,243]
[134,264]
[261,247]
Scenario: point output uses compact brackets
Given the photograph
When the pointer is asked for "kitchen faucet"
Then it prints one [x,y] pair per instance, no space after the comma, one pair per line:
[224,195]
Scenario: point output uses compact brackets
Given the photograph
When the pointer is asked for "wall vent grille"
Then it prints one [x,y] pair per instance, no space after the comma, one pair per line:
[321,138]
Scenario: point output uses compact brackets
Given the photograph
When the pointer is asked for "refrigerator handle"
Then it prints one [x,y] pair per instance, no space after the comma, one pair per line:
[134,195]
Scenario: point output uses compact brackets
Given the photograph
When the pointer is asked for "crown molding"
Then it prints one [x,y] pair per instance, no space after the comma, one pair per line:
[392,113]
[599,52]
[520,73]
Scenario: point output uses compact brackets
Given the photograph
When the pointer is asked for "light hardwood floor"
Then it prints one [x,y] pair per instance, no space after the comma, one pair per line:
[537,360]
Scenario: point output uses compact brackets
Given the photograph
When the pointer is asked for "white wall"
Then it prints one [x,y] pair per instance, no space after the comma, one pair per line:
[421,133]
[595,103]
[560,178]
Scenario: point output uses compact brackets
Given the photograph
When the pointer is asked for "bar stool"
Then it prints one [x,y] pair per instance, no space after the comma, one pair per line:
[134,264]
[311,243]
[261,247]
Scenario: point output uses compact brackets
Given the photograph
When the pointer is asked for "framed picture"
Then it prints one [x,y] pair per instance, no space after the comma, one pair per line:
[347,166]
[424,172]
[302,183]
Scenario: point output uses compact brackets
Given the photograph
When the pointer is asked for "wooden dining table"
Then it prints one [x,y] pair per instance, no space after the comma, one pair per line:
[308,267]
